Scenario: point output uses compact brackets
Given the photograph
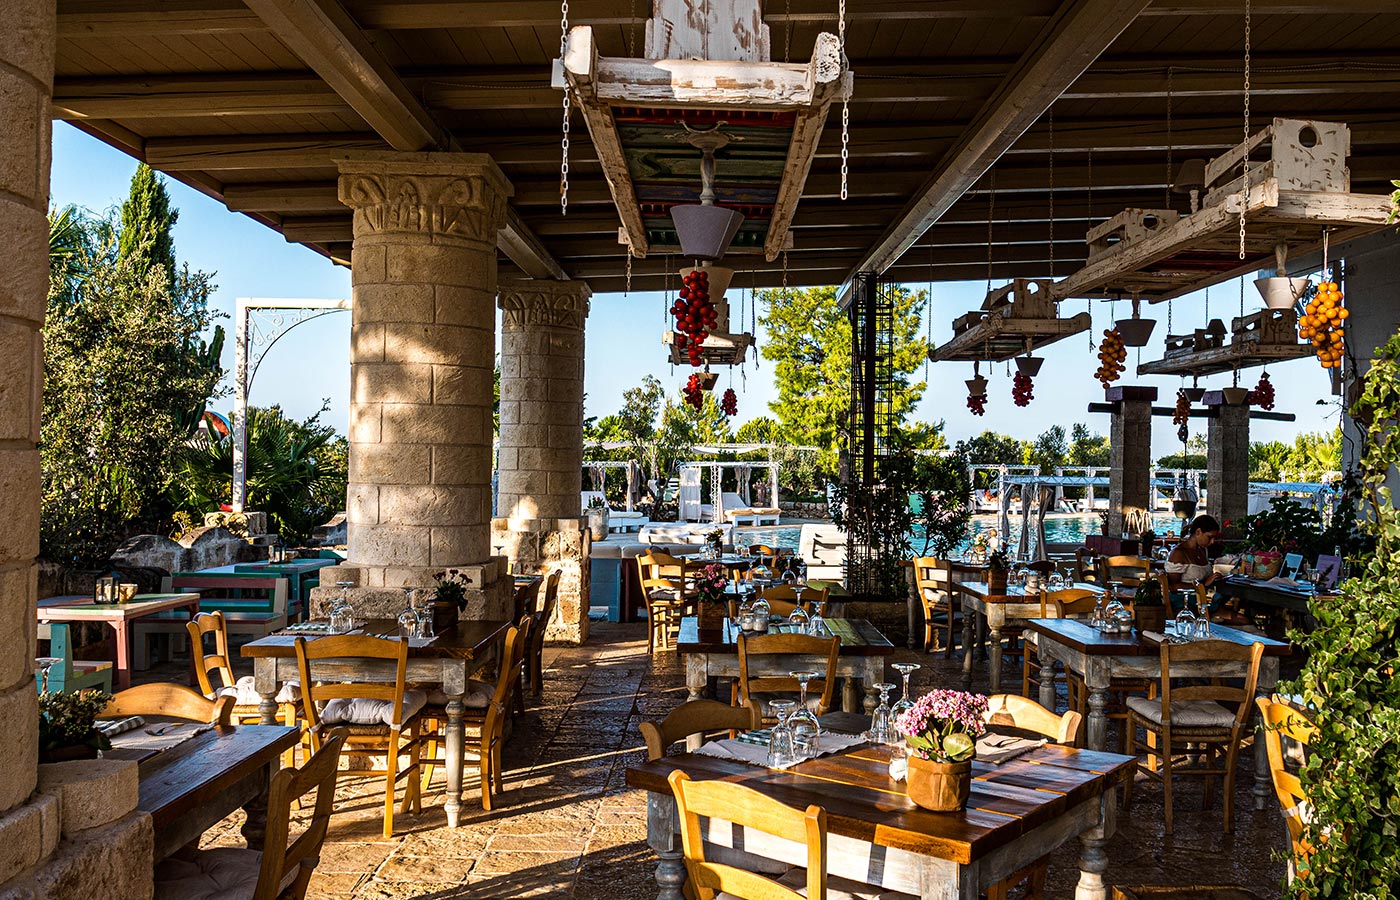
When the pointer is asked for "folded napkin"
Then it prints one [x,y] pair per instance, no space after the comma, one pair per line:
[160,735]
[756,754]
[114,727]
[996,749]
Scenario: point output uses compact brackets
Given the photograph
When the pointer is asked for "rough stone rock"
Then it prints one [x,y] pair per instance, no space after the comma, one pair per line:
[114,861]
[91,792]
[21,839]
[153,550]
[331,534]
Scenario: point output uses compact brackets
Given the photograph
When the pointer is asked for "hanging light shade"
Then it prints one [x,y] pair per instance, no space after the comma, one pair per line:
[977,386]
[705,230]
[1029,365]
[1136,331]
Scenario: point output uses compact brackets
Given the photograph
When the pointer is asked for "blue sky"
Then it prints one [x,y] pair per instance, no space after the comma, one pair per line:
[624,333]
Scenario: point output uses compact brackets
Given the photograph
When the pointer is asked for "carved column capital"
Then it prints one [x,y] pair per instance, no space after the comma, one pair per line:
[551,304]
[437,195]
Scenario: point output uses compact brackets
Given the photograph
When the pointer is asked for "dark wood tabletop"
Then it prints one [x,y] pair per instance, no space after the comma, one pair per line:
[1080,637]
[858,638]
[465,640]
[863,802]
[178,781]
[1016,593]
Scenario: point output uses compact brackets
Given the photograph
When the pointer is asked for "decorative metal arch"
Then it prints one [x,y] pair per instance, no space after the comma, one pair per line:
[258,325]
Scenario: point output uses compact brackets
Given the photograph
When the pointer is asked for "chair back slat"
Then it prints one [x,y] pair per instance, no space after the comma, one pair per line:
[1210,650]
[210,623]
[747,808]
[1015,711]
[1068,603]
[173,701]
[286,875]
[1281,720]
[696,717]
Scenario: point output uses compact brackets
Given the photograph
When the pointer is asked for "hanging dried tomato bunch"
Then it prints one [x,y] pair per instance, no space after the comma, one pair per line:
[694,394]
[695,314]
[1022,389]
[729,403]
[977,403]
[1263,394]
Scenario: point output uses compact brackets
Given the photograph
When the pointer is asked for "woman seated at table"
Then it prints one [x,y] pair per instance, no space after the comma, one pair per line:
[1189,563]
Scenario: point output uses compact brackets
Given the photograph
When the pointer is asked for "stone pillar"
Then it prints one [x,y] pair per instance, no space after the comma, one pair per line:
[541,453]
[52,844]
[1227,459]
[1130,453]
[421,366]
[26,85]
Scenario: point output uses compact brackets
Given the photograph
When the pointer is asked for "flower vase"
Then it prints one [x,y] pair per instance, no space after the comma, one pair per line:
[996,581]
[1150,618]
[710,615]
[938,786]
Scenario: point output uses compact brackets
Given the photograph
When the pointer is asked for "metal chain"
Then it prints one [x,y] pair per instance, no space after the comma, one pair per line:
[564,142]
[928,313]
[1052,191]
[1248,37]
[1169,318]
[1090,211]
[632,31]
[627,287]
[991,216]
[1207,305]
[845,105]
[787,32]
[1167,191]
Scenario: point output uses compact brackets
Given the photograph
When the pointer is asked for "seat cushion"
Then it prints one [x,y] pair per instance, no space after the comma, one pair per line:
[1186,713]
[366,711]
[225,873]
[478,695]
[839,888]
[244,695]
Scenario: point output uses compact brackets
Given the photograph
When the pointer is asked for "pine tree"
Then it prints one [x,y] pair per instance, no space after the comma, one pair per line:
[148,222]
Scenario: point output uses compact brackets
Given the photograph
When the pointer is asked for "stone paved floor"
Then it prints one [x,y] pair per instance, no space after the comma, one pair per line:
[568,826]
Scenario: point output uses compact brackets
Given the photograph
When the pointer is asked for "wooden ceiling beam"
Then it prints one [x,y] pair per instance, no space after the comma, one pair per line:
[193,96]
[317,229]
[288,197]
[1065,48]
[227,153]
[133,18]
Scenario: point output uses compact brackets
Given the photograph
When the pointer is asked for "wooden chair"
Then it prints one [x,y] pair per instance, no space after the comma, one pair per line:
[782,599]
[663,581]
[1282,720]
[1011,711]
[1192,715]
[69,674]
[1069,603]
[375,714]
[539,625]
[271,874]
[933,580]
[171,701]
[245,699]
[1128,571]
[702,717]
[1086,569]
[527,599]
[488,705]
[760,690]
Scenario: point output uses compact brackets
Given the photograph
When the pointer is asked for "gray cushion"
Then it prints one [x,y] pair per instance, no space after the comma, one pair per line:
[225,873]
[1186,713]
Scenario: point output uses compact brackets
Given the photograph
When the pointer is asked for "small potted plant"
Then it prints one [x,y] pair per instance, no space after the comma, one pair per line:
[66,725]
[449,598]
[714,543]
[940,731]
[998,565]
[712,605]
[1149,606]
[598,518]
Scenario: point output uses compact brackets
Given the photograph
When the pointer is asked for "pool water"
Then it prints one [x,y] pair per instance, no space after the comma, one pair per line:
[1059,528]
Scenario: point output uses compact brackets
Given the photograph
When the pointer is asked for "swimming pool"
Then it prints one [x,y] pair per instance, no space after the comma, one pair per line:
[1059,528]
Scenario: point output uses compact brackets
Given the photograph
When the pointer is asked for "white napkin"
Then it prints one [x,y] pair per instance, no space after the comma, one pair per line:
[757,754]
[167,735]
[999,748]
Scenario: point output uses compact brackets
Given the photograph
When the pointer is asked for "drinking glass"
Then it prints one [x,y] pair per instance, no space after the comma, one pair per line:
[802,720]
[761,610]
[816,625]
[882,729]
[1186,621]
[342,614]
[904,704]
[781,751]
[799,619]
[424,612]
[1057,581]
[408,619]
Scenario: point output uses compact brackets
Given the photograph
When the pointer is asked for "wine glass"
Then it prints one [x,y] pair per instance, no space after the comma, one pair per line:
[342,614]
[904,704]
[408,619]
[882,729]
[799,619]
[761,610]
[1186,621]
[802,720]
[781,750]
[424,612]
[816,625]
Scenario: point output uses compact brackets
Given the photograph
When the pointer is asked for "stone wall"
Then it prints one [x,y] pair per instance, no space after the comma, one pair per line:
[545,546]
[801,510]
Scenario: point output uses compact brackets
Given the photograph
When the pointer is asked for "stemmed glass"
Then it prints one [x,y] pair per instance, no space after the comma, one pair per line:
[798,618]
[904,704]
[408,619]
[817,625]
[424,611]
[342,614]
[1186,620]
[803,721]
[882,729]
[781,749]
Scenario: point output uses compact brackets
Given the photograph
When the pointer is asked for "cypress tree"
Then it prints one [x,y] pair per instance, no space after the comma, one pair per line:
[148,222]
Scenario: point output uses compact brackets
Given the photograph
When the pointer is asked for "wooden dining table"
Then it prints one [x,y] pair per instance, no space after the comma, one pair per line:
[447,662]
[117,616]
[1017,812]
[716,653]
[189,788]
[1012,606]
[1099,658]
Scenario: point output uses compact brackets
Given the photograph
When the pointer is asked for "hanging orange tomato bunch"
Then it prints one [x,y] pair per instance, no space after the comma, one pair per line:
[1323,323]
[1112,355]
[694,393]
[729,403]
[1263,394]
[695,314]
[1022,389]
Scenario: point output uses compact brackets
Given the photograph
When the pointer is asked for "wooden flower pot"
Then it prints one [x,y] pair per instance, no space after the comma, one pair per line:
[1150,618]
[996,581]
[938,786]
[710,615]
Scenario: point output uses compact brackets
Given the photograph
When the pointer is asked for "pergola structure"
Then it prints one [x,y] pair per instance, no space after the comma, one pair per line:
[419,141]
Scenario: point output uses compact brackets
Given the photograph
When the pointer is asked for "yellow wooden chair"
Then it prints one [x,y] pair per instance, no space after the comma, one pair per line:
[171,701]
[933,580]
[1282,720]
[702,717]
[760,690]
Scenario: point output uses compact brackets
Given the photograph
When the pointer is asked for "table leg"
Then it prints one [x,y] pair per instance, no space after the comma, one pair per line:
[1098,704]
[455,734]
[968,617]
[670,875]
[1263,778]
[123,655]
[1047,680]
[1093,861]
[994,637]
[662,836]
[913,638]
[254,828]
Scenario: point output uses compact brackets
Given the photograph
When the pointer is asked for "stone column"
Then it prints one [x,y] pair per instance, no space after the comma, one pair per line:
[541,455]
[1227,459]
[1130,453]
[421,365]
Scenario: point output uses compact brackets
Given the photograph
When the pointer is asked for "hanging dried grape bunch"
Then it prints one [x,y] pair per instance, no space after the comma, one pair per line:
[729,403]
[1022,389]
[1263,394]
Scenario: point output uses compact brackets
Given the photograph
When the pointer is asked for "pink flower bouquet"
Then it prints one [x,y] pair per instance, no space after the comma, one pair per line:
[710,583]
[942,725]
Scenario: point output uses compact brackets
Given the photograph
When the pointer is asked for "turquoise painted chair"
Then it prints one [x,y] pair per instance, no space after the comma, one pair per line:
[68,674]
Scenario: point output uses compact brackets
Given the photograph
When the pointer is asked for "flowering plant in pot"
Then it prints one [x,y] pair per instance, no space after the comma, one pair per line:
[998,565]
[940,731]
[711,604]
[1149,606]
[66,725]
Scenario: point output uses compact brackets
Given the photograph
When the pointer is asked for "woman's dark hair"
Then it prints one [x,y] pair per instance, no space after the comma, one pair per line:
[1203,523]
